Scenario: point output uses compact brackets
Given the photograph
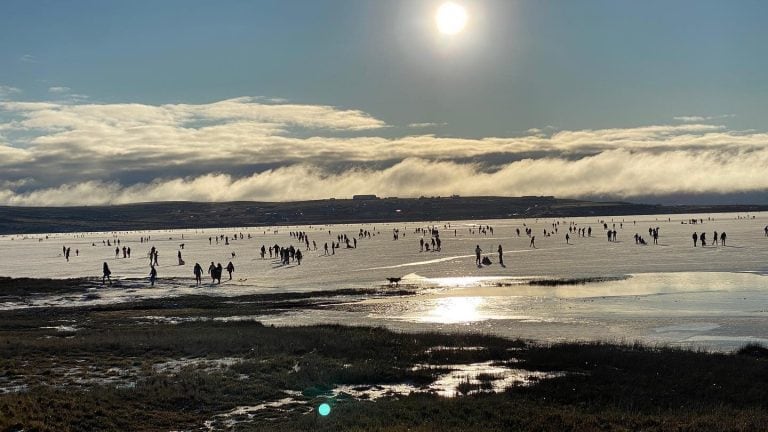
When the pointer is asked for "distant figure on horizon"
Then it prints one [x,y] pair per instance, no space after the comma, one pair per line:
[198,271]
[106,273]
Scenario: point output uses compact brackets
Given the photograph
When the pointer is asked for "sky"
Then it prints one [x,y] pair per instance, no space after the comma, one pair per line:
[107,102]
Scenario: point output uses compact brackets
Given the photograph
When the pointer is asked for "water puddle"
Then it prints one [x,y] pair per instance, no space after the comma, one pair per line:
[262,412]
[175,366]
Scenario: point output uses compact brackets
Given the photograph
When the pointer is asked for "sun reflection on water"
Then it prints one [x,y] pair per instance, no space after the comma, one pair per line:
[455,310]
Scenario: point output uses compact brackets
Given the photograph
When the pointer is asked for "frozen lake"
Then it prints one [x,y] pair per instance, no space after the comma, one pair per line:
[716,296]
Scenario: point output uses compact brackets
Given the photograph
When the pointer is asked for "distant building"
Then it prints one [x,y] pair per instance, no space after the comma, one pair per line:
[364,197]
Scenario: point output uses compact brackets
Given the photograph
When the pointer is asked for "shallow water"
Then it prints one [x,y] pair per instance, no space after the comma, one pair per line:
[714,297]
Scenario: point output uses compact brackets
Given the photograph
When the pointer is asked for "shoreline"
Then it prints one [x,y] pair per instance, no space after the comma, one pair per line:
[224,215]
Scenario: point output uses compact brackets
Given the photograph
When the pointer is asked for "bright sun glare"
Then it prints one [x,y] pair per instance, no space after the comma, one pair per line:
[451,18]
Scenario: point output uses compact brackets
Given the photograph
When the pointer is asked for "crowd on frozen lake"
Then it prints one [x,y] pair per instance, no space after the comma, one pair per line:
[486,263]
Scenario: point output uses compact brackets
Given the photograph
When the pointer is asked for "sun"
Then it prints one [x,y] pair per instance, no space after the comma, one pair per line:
[451,18]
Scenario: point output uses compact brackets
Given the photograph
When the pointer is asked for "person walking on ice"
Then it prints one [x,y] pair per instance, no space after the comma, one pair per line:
[106,273]
[478,251]
[152,275]
[230,269]
[198,270]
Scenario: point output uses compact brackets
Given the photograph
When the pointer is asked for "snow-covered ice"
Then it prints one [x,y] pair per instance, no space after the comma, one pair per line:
[716,296]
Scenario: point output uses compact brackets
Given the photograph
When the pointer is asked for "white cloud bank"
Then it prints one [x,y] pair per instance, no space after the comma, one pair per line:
[69,153]
[613,173]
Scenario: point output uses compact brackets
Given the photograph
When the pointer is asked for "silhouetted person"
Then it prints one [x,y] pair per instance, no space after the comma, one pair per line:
[695,238]
[501,256]
[106,273]
[533,242]
[298,256]
[230,269]
[198,271]
[722,238]
[152,275]
[212,272]
[219,271]
[478,251]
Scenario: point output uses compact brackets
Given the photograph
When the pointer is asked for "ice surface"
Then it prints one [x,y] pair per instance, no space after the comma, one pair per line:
[715,296]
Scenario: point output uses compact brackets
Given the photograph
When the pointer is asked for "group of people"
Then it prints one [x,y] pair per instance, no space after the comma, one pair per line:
[703,238]
[126,252]
[215,270]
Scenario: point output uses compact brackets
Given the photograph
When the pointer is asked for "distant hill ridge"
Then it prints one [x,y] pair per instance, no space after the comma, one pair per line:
[183,214]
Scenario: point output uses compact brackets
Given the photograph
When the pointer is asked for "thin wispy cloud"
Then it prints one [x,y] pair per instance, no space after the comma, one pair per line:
[8,91]
[59,89]
[425,125]
[699,119]
[29,58]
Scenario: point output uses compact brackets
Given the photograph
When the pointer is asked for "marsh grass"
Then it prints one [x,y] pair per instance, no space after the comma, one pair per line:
[605,386]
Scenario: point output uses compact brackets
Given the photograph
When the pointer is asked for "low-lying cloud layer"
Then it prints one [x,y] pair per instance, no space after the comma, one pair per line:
[70,153]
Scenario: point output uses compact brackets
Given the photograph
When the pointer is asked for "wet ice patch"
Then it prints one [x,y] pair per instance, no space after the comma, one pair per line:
[261,412]
[693,327]
[457,380]
[176,365]
[724,338]
[484,377]
[158,319]
[62,328]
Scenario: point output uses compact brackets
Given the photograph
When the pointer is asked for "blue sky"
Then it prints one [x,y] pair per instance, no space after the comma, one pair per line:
[519,65]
